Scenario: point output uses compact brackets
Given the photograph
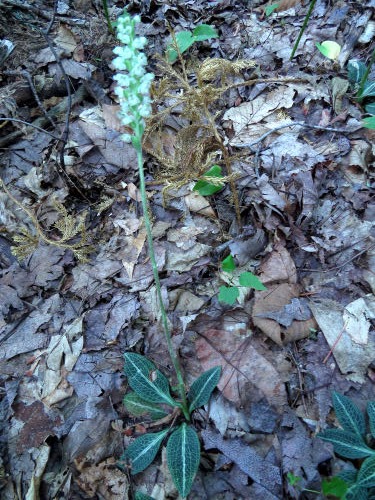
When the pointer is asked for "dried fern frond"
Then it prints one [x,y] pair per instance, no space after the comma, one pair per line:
[68,225]
[103,204]
[190,152]
[213,68]
[26,244]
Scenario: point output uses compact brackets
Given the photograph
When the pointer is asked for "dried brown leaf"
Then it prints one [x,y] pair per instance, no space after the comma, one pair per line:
[243,367]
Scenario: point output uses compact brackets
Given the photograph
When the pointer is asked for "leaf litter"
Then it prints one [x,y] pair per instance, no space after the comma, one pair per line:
[307,213]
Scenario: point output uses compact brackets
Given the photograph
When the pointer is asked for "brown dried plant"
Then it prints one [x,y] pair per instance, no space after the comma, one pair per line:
[191,92]
[69,226]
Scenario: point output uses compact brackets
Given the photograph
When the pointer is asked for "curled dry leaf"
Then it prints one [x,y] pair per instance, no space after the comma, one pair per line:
[278,267]
[279,274]
[276,302]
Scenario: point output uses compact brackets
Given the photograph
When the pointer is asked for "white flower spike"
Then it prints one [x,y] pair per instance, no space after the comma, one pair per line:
[133,82]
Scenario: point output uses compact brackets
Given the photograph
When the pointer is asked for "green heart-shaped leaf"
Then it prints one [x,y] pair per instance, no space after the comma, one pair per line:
[251,281]
[204,186]
[184,40]
[228,294]
[369,122]
[204,32]
[228,264]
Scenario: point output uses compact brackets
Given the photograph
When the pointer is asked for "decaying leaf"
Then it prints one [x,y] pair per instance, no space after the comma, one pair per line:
[243,367]
[346,331]
[260,470]
[104,479]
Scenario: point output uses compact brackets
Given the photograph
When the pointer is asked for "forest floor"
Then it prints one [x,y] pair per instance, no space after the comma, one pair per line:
[76,286]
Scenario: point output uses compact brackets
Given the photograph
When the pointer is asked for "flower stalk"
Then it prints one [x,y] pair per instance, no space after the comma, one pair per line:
[133,90]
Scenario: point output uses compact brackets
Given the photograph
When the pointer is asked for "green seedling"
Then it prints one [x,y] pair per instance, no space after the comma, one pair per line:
[152,394]
[358,74]
[329,49]
[333,487]
[183,40]
[230,294]
[292,479]
[211,182]
[352,442]
[270,8]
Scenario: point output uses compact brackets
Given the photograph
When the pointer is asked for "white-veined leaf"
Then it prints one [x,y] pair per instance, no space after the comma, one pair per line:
[183,455]
[371,416]
[355,492]
[201,389]
[366,474]
[142,496]
[369,122]
[356,70]
[143,450]
[148,382]
[370,108]
[348,414]
[137,406]
[349,476]
[346,444]
[368,90]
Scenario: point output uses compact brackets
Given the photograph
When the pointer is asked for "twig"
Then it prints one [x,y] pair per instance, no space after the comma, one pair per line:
[42,121]
[27,76]
[65,132]
[295,124]
[337,340]
[50,24]
[29,8]
[28,125]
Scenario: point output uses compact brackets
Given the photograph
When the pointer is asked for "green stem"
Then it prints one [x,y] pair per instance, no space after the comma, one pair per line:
[302,30]
[164,318]
[106,15]
[365,76]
